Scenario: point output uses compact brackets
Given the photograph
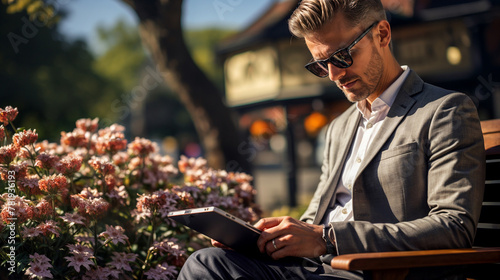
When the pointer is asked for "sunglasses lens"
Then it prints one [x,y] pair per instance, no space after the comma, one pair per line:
[341,59]
[319,69]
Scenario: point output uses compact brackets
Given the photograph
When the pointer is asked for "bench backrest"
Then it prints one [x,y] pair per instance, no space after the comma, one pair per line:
[488,232]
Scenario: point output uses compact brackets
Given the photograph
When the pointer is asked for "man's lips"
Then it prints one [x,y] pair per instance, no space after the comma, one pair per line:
[348,85]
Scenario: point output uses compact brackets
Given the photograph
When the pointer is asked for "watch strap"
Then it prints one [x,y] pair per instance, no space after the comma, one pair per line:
[330,246]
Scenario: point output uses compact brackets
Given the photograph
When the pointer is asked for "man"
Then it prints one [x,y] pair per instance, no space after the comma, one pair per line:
[403,167]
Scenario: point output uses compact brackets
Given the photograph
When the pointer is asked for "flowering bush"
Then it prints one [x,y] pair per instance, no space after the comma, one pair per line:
[95,206]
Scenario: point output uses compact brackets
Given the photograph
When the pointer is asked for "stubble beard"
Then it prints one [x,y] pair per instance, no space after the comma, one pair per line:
[365,88]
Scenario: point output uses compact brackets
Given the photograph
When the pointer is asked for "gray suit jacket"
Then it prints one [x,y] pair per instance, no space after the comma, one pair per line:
[421,183]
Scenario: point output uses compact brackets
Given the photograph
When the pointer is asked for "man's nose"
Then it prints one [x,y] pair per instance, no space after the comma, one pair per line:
[335,73]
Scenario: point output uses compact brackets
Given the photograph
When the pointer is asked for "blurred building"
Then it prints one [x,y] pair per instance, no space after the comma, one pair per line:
[453,44]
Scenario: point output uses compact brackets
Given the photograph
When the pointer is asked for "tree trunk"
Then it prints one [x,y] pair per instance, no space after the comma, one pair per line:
[161,31]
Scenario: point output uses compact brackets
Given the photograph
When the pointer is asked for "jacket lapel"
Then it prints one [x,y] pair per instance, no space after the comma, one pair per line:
[338,155]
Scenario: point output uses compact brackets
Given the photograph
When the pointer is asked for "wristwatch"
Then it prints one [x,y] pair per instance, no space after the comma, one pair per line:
[330,246]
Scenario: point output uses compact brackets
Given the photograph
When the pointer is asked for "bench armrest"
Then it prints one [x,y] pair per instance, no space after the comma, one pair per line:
[411,259]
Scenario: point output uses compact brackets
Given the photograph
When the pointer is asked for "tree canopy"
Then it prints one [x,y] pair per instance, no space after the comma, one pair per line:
[49,78]
[162,35]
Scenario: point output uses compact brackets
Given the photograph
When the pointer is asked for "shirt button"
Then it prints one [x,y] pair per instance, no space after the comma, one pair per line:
[349,186]
[344,211]
[369,125]
[358,160]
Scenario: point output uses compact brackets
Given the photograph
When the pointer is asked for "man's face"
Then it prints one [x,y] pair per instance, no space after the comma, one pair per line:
[361,79]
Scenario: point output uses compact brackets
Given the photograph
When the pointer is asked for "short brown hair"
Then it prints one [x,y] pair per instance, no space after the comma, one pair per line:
[312,15]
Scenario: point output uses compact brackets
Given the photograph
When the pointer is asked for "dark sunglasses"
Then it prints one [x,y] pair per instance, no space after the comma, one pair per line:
[341,58]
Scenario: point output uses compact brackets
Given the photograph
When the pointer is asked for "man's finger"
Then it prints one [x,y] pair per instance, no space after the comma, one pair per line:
[268,223]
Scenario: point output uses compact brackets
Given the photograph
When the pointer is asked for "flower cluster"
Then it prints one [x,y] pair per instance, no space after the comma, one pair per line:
[39,266]
[94,206]
[8,115]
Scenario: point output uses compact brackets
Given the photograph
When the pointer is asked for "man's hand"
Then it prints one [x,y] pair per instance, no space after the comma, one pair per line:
[291,238]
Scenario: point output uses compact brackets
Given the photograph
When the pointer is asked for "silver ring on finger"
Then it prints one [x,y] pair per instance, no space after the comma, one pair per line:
[274,244]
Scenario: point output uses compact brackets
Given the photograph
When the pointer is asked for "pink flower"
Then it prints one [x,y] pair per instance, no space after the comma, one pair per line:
[39,266]
[245,192]
[186,163]
[2,132]
[78,260]
[239,177]
[92,208]
[112,129]
[29,185]
[120,158]
[27,152]
[145,214]
[73,218]
[160,201]
[90,193]
[114,273]
[77,138]
[121,260]
[224,202]
[114,234]
[142,147]
[102,166]
[80,250]
[46,161]
[250,214]
[85,238]
[110,143]
[49,227]
[135,163]
[88,124]
[8,114]
[168,247]
[18,209]
[45,146]
[110,181]
[53,184]
[69,164]
[42,210]
[8,153]
[19,169]
[30,232]
[120,194]
[25,137]
[100,273]
[186,196]
[162,272]
[39,258]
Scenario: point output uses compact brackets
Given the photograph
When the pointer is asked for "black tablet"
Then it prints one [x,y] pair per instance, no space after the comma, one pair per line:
[221,226]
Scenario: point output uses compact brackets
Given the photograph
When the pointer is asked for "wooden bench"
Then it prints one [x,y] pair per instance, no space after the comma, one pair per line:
[483,260]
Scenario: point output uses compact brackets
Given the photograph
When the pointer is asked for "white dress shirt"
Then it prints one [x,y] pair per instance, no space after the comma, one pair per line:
[341,209]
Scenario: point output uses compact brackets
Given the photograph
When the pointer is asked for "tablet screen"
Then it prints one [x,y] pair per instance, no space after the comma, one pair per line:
[221,226]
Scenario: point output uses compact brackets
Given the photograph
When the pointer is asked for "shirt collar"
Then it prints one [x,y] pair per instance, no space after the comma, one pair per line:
[387,97]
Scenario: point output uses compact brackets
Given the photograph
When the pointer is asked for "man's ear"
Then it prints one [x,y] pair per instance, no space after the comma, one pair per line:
[384,30]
